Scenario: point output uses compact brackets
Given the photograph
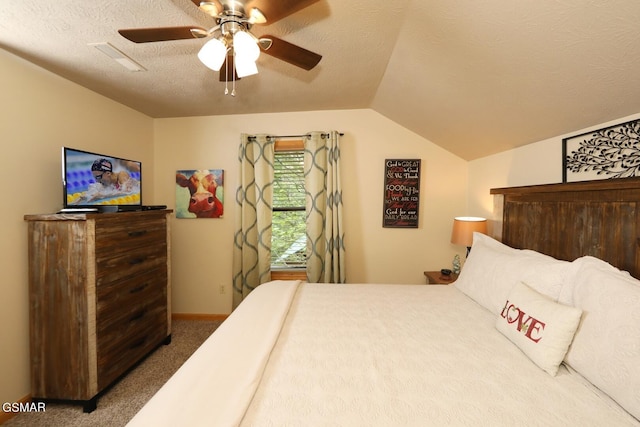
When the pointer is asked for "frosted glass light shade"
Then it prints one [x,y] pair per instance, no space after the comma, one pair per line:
[245,46]
[213,54]
[245,67]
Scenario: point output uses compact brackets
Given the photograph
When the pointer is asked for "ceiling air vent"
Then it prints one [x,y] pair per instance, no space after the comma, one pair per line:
[118,56]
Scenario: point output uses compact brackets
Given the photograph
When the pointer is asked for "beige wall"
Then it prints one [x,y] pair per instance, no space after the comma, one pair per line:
[202,247]
[39,114]
[538,163]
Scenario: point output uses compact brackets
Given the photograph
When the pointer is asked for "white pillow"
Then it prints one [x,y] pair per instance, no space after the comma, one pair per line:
[492,269]
[606,348]
[540,327]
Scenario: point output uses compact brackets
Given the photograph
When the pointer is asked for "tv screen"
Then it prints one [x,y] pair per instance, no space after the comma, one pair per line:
[92,180]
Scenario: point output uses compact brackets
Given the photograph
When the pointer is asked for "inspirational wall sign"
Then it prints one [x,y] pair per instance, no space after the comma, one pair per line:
[401,193]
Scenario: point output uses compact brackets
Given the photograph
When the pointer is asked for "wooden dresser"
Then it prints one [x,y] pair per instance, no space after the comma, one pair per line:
[99,299]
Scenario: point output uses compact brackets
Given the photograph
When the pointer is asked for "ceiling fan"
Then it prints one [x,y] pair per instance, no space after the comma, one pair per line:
[233,49]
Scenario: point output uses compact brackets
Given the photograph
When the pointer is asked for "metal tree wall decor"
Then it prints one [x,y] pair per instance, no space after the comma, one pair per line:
[611,152]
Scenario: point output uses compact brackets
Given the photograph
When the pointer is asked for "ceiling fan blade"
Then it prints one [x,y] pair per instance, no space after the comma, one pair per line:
[276,10]
[295,55]
[146,35]
[228,65]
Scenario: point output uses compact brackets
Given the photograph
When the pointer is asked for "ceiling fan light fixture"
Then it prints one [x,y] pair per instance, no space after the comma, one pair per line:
[245,66]
[210,8]
[232,42]
[245,46]
[213,54]
[246,51]
[265,43]
[256,16]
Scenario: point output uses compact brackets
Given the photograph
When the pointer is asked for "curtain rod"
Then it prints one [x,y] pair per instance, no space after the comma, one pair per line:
[307,135]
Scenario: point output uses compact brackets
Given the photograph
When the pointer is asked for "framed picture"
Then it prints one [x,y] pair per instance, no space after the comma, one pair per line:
[401,201]
[199,193]
[611,152]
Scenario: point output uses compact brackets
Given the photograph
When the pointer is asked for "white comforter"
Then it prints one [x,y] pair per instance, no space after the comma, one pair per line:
[369,355]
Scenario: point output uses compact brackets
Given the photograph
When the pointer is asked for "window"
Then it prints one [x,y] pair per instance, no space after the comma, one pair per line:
[289,238]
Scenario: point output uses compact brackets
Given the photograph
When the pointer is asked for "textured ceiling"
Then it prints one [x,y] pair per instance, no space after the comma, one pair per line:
[473,77]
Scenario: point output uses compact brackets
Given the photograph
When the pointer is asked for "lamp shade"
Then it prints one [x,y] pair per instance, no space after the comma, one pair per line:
[247,52]
[245,46]
[245,67]
[213,54]
[463,228]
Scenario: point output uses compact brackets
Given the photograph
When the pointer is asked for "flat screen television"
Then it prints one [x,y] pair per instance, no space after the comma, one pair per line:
[92,180]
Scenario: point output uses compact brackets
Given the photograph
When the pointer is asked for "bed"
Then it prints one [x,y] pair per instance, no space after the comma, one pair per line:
[522,337]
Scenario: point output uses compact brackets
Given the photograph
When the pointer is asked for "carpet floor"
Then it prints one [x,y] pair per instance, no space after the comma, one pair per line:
[125,398]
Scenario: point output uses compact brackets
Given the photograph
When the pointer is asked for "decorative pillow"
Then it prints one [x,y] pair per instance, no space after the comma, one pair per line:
[492,269]
[606,348]
[540,327]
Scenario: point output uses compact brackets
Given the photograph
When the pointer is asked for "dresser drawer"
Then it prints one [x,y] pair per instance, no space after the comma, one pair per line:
[122,227]
[129,337]
[122,300]
[123,235]
[119,266]
[112,331]
[115,359]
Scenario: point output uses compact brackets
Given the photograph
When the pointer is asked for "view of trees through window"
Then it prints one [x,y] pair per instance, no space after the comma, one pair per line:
[288,241]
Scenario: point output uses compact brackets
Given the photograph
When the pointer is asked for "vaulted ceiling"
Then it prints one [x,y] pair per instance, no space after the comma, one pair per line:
[475,77]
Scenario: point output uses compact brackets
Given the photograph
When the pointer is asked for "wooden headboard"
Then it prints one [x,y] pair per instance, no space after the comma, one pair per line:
[598,218]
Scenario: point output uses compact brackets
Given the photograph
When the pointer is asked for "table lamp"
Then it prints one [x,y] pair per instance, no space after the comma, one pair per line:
[463,228]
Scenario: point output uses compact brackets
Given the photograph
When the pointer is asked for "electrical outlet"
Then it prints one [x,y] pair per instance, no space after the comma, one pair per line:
[222,290]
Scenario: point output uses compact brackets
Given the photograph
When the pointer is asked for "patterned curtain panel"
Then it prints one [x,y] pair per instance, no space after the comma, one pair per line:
[252,240]
[325,235]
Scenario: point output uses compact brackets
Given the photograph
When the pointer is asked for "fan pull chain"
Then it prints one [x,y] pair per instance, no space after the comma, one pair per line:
[226,78]
[233,92]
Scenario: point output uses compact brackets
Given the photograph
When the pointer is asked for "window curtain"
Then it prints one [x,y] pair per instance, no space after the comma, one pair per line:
[254,197]
[252,239]
[325,234]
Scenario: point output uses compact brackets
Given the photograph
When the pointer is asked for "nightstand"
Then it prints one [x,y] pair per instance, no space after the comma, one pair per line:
[437,278]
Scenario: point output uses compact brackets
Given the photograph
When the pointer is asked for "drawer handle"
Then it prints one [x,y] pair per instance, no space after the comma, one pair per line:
[134,261]
[138,288]
[138,316]
[137,233]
